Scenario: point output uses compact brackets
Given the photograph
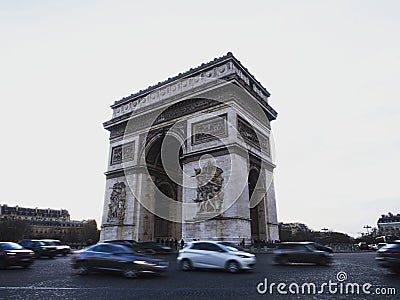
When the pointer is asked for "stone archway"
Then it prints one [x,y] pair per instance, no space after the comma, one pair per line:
[163,229]
[220,115]
[257,213]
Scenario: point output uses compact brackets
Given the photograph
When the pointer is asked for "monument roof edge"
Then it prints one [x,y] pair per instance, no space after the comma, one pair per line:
[191,71]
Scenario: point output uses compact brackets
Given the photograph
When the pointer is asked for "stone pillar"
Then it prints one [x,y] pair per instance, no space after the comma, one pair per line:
[233,224]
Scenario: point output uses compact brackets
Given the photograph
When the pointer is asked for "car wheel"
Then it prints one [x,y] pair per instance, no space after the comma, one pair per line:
[186,265]
[323,261]
[283,260]
[395,270]
[232,267]
[82,268]
[130,273]
[3,264]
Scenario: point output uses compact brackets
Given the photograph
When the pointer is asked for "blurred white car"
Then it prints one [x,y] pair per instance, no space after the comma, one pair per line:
[214,255]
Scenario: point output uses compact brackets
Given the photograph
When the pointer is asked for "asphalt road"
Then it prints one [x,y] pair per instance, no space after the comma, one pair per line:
[55,279]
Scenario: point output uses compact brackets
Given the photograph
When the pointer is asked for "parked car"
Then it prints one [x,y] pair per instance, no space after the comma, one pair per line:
[13,254]
[214,255]
[60,248]
[39,247]
[158,248]
[115,258]
[389,256]
[138,247]
[301,252]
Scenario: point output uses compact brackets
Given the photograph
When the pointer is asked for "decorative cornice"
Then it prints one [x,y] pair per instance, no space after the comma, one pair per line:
[191,72]
[225,67]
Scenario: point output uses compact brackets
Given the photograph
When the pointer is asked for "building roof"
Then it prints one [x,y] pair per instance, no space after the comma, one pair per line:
[191,72]
[389,218]
[5,209]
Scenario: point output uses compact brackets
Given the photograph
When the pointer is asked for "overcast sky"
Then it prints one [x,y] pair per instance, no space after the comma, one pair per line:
[332,68]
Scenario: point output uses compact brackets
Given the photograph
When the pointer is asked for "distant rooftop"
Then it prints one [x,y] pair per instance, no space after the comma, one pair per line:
[389,218]
[5,209]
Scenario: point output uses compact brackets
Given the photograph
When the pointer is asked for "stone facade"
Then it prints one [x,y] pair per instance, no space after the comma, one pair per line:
[389,224]
[191,158]
[47,223]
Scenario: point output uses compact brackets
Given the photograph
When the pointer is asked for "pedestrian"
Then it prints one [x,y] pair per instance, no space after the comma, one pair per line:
[182,243]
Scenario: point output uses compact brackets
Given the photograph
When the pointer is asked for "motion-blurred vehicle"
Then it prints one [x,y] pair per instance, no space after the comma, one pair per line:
[115,258]
[61,249]
[138,247]
[380,245]
[158,248]
[301,252]
[389,256]
[214,255]
[240,248]
[373,247]
[39,247]
[363,246]
[13,254]
[322,248]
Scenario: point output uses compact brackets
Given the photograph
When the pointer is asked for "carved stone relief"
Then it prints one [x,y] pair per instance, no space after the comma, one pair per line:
[209,184]
[248,133]
[122,153]
[210,129]
[116,207]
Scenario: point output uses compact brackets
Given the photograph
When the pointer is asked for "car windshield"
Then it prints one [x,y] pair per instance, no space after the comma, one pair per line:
[228,247]
[11,246]
[123,250]
[51,243]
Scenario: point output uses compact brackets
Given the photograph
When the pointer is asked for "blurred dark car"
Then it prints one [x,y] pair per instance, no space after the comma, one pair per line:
[380,245]
[60,248]
[115,258]
[138,247]
[322,248]
[389,256]
[363,246]
[301,252]
[158,248]
[13,254]
[39,247]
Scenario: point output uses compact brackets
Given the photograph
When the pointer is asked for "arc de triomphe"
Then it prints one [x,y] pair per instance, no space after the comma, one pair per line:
[192,158]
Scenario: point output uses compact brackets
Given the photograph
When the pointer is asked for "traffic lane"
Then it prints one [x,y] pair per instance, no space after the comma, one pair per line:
[55,278]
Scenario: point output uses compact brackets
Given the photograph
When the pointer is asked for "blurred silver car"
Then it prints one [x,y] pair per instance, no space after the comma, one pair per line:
[301,252]
[389,256]
[214,255]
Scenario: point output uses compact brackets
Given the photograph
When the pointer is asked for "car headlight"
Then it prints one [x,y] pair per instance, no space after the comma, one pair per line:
[143,262]
[243,256]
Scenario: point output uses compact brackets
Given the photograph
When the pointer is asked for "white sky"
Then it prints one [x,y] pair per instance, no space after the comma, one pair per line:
[332,67]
